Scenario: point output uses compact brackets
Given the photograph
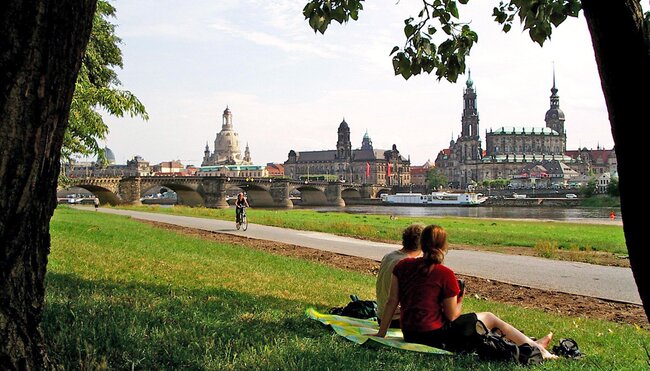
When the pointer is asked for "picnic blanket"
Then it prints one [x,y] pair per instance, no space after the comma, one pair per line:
[359,331]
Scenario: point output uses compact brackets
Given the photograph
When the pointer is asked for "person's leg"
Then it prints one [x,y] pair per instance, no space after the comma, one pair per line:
[491,321]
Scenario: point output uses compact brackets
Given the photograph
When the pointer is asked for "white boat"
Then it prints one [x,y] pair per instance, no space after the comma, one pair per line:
[435,199]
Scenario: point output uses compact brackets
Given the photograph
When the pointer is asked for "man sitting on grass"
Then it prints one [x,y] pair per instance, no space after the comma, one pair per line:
[410,249]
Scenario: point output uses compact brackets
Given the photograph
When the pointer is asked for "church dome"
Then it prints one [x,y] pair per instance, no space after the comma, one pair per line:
[110,156]
[344,125]
[554,114]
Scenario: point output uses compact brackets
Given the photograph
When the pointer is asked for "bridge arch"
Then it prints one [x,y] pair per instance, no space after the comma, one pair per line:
[310,195]
[187,194]
[351,193]
[105,195]
[257,194]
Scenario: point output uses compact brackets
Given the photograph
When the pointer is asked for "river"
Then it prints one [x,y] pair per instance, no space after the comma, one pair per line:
[576,214]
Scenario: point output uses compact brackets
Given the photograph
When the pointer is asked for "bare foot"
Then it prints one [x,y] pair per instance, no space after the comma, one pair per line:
[546,340]
[548,355]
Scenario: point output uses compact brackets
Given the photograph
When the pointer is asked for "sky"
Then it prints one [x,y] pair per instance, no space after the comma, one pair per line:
[289,88]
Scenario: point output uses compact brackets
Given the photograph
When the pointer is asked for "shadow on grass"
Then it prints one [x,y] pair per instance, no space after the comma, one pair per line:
[106,324]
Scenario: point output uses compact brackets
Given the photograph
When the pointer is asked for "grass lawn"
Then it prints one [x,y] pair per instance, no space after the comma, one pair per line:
[467,231]
[125,295]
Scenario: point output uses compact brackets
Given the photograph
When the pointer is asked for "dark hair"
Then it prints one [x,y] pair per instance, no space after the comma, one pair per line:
[433,242]
[411,237]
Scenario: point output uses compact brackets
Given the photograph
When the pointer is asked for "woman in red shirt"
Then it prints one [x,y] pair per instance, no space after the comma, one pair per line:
[431,302]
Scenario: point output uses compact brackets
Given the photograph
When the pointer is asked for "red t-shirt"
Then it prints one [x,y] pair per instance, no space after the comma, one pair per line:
[421,294]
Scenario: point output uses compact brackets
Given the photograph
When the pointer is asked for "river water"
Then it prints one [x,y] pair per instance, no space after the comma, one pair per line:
[577,214]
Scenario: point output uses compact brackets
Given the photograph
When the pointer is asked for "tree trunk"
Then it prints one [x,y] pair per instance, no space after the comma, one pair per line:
[41,47]
[622,48]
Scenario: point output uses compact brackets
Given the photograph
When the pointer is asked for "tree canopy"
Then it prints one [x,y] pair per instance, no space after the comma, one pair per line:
[436,179]
[98,89]
[438,41]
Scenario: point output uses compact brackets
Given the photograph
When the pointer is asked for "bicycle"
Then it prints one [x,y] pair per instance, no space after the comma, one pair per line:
[243,222]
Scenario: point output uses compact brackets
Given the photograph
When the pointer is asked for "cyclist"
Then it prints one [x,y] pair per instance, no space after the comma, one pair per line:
[240,204]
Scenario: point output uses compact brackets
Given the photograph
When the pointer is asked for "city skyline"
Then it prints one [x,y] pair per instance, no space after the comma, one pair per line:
[289,89]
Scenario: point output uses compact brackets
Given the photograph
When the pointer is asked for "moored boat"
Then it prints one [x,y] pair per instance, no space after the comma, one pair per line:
[434,199]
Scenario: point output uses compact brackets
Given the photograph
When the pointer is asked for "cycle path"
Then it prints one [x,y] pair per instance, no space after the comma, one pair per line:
[610,283]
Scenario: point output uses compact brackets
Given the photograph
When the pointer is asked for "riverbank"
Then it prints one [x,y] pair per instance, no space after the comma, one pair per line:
[124,295]
[596,244]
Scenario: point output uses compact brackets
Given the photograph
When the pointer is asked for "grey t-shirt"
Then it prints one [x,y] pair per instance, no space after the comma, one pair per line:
[384,278]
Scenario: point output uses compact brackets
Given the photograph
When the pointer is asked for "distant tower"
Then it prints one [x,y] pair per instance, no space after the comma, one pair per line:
[206,153]
[226,144]
[226,120]
[554,116]
[247,155]
[343,145]
[471,141]
[366,143]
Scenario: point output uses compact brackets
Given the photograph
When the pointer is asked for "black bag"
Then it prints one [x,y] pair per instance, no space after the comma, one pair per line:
[362,309]
[493,346]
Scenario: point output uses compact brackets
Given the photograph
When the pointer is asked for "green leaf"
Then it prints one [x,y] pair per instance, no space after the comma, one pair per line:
[395,48]
[506,27]
[557,18]
[409,30]
[453,9]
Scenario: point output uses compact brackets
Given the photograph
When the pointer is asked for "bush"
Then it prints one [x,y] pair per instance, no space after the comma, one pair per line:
[546,249]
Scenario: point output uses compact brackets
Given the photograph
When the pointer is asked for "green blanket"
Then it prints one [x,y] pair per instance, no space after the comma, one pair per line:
[359,331]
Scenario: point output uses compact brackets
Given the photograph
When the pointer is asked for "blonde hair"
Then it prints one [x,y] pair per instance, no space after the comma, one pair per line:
[433,242]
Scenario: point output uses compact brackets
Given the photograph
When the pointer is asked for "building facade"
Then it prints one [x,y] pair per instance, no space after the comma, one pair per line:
[419,174]
[106,167]
[226,146]
[510,151]
[240,171]
[365,165]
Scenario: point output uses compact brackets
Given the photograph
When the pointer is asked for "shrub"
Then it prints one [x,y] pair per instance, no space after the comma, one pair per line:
[546,249]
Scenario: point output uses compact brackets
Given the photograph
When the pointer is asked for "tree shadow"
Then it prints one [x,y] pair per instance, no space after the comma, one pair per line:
[96,324]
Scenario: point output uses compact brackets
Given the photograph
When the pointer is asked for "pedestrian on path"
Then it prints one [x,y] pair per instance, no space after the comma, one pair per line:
[96,203]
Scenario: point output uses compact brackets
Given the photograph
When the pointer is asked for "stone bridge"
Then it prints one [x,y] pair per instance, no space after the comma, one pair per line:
[211,191]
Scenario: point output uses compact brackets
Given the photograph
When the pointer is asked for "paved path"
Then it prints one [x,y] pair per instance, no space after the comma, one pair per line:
[612,283]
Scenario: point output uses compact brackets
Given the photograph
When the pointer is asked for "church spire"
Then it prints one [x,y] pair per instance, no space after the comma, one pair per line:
[469,82]
[554,116]
[555,99]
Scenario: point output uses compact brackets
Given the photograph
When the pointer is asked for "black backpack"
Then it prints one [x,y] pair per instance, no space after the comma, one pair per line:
[362,309]
[493,346]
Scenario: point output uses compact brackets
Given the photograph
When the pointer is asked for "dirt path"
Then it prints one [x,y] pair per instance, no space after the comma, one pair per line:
[560,303]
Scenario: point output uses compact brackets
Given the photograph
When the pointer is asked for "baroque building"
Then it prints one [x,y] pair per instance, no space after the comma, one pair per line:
[365,165]
[510,151]
[226,146]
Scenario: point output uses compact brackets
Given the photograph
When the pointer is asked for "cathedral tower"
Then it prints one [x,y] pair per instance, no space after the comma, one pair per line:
[554,116]
[343,144]
[470,139]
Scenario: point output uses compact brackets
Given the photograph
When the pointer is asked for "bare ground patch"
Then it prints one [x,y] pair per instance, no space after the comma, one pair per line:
[552,302]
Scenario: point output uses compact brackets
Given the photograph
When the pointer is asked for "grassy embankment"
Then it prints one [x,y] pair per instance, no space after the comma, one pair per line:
[549,238]
[121,294]
[601,201]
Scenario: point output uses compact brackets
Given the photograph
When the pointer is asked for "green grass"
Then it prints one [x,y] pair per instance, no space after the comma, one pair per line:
[467,231]
[601,201]
[125,295]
